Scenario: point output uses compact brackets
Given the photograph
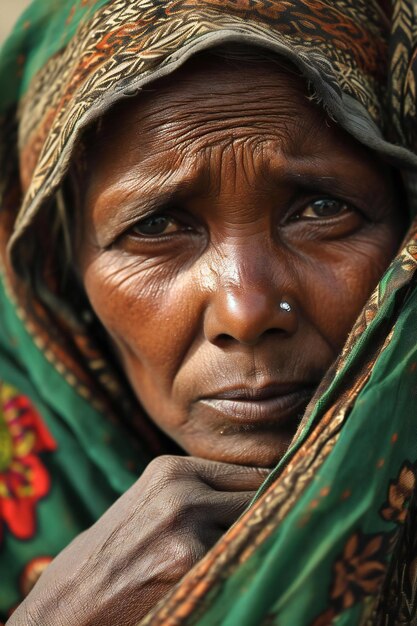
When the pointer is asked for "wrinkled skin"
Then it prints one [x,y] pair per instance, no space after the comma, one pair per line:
[212,199]
[112,574]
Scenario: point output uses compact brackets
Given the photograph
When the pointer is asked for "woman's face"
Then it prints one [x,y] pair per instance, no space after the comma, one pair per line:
[231,235]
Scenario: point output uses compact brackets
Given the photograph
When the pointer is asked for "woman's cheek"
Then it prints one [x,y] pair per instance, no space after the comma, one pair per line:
[147,309]
[350,274]
[120,291]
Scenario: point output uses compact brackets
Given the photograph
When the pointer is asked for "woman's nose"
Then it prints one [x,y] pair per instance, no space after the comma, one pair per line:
[247,313]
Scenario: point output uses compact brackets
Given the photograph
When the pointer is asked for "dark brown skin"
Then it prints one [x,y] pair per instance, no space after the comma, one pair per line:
[214,197]
[231,163]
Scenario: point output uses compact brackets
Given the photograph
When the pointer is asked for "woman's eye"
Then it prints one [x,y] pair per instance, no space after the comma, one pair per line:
[156,226]
[323,208]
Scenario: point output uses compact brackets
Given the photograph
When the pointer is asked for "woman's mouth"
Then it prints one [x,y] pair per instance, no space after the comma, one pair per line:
[271,404]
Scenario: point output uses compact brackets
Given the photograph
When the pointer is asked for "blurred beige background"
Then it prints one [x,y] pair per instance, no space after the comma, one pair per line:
[9,12]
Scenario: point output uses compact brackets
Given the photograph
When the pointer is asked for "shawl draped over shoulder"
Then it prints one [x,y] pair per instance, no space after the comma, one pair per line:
[331,537]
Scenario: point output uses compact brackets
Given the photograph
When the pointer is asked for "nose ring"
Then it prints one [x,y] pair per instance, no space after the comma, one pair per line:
[285,306]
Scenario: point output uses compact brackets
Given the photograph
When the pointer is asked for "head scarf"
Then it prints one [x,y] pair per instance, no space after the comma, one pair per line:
[332,535]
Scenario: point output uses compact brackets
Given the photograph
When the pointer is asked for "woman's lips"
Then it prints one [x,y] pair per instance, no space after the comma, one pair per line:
[275,404]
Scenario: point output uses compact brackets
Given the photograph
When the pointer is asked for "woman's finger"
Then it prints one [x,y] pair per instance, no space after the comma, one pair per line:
[228,477]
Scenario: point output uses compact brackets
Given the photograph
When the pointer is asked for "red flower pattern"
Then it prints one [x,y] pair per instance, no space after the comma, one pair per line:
[23,478]
[32,572]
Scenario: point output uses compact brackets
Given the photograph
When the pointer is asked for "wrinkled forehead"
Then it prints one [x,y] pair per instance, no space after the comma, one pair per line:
[341,48]
[229,91]
[225,111]
[124,45]
[233,98]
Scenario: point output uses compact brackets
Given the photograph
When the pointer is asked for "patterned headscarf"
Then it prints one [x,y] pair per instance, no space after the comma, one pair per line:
[332,536]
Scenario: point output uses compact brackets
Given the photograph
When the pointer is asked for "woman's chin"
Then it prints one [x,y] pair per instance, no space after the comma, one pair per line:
[253,449]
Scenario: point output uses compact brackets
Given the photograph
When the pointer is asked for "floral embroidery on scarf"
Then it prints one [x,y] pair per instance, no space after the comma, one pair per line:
[360,572]
[357,574]
[398,601]
[399,494]
[23,478]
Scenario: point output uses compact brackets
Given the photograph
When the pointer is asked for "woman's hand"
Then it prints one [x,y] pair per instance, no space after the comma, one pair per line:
[116,571]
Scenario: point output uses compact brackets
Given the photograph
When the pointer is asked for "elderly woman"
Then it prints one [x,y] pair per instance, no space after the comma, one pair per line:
[200,200]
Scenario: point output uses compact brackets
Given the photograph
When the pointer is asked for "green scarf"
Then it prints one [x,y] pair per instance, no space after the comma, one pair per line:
[331,538]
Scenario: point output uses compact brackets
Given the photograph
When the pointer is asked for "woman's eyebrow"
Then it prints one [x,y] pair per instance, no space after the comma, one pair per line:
[333,184]
[136,197]
[311,180]
[120,210]
[116,210]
